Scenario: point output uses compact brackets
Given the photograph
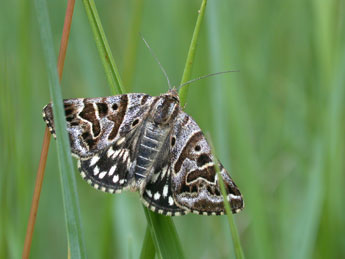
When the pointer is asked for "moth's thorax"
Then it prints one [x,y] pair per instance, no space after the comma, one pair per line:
[166,108]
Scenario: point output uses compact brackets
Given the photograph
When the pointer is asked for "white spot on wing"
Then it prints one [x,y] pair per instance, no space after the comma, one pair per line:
[110,152]
[164,171]
[209,164]
[165,191]
[125,154]
[116,153]
[94,160]
[116,178]
[112,170]
[157,196]
[233,197]
[149,193]
[120,141]
[96,171]
[171,201]
[102,174]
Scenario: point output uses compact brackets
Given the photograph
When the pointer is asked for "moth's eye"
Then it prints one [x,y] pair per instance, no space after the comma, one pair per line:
[197,148]
[173,141]
[115,106]
[135,122]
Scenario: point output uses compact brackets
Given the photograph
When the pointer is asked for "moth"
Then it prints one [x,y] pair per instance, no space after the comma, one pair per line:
[148,144]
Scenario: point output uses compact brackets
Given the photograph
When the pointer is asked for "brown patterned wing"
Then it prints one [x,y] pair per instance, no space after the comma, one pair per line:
[195,185]
[103,134]
[93,124]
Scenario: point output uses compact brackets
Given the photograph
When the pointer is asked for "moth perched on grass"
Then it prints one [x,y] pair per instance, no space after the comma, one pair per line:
[148,144]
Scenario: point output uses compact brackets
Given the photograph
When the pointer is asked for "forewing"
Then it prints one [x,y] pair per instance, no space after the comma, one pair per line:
[93,124]
[195,185]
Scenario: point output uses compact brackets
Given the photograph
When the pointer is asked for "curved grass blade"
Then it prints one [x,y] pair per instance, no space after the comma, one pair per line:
[148,249]
[132,45]
[164,235]
[163,230]
[159,228]
[111,70]
[68,184]
[191,54]
[234,233]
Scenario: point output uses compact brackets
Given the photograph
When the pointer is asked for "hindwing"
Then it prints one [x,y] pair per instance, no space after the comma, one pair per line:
[157,191]
[195,184]
[185,180]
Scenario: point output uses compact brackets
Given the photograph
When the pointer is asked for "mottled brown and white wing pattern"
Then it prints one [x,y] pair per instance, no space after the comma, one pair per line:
[103,133]
[146,144]
[185,179]
[195,184]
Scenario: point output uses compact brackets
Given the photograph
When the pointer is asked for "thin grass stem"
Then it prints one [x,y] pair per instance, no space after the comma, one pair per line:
[110,67]
[69,192]
[233,229]
[37,193]
[47,135]
[191,54]
[148,249]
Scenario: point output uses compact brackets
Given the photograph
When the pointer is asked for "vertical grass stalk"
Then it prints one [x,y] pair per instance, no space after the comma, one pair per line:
[160,235]
[111,70]
[191,54]
[167,229]
[234,233]
[68,184]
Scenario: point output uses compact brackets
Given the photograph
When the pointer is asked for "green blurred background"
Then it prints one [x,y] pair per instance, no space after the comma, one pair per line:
[278,124]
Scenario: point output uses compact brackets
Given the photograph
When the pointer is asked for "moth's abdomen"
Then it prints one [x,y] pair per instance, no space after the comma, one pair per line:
[151,143]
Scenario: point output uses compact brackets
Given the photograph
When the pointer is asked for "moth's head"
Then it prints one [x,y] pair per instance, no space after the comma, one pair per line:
[172,93]
[166,107]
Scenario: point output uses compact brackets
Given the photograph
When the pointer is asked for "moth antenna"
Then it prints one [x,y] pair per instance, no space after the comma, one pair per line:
[159,63]
[202,77]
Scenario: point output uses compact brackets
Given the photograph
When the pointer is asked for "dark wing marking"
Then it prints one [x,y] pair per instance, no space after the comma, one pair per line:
[103,133]
[94,124]
[194,179]
[111,170]
[156,191]
[158,194]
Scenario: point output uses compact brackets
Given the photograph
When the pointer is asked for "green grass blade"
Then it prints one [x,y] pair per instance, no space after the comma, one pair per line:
[132,45]
[148,249]
[68,184]
[308,220]
[233,229]
[111,70]
[164,235]
[163,230]
[158,228]
[191,54]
